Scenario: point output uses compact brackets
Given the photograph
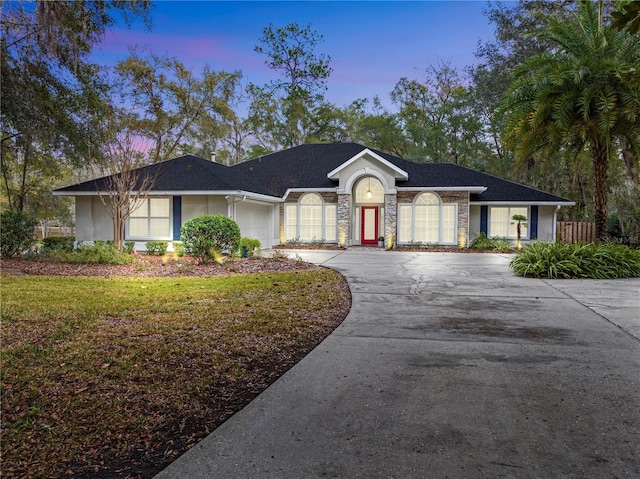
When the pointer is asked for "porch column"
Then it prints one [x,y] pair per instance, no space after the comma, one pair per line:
[390,220]
[344,219]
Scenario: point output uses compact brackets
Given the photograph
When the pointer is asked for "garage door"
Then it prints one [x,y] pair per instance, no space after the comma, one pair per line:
[255,221]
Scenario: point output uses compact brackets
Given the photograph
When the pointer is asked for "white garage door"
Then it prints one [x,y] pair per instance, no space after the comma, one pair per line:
[255,221]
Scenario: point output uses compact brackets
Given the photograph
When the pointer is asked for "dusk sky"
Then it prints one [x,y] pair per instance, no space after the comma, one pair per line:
[371,44]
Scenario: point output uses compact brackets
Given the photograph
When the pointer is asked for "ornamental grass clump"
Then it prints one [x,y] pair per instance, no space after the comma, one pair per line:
[579,260]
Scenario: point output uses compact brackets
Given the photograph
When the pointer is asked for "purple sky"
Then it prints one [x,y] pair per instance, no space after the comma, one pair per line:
[371,44]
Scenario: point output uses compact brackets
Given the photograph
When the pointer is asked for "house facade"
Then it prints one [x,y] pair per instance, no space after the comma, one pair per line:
[341,193]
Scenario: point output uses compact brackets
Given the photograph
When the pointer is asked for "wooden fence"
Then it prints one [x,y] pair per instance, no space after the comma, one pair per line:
[576,231]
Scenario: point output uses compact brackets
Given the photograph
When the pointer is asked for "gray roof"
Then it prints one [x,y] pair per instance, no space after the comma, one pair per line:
[306,166]
[187,173]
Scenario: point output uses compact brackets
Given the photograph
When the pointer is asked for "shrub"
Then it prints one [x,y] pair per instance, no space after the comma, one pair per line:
[579,260]
[206,236]
[17,233]
[58,243]
[101,252]
[252,245]
[128,246]
[178,248]
[157,247]
[482,242]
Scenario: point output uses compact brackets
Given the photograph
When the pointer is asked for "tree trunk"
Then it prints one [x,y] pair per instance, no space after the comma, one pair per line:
[630,161]
[600,158]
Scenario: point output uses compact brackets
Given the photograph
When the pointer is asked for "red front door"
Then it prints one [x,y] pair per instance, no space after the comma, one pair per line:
[369,225]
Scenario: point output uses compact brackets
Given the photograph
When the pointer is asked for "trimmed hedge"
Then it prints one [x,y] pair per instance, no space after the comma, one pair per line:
[579,260]
[204,237]
[53,244]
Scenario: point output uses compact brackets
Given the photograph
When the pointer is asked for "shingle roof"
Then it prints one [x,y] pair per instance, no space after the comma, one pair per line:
[306,166]
[187,173]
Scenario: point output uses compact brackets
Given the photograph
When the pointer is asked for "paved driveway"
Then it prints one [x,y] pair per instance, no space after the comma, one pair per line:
[448,366]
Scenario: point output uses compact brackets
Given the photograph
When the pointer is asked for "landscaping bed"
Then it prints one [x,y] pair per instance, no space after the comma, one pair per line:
[116,370]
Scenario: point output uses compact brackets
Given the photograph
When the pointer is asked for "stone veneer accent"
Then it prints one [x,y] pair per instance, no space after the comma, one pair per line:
[459,197]
[390,220]
[344,219]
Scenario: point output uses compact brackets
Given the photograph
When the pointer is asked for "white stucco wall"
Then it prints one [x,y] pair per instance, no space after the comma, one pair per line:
[355,169]
[546,225]
[93,221]
[255,221]
[474,221]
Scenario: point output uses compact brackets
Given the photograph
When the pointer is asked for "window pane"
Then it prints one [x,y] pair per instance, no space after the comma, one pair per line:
[448,223]
[499,221]
[159,227]
[427,226]
[404,232]
[311,199]
[138,227]
[159,207]
[141,210]
[331,222]
[427,199]
[290,228]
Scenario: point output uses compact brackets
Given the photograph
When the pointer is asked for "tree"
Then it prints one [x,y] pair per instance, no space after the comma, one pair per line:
[122,185]
[520,221]
[170,105]
[439,118]
[48,86]
[574,98]
[283,110]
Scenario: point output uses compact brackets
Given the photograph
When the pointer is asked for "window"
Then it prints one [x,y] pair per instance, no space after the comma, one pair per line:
[310,219]
[151,219]
[369,190]
[501,224]
[427,220]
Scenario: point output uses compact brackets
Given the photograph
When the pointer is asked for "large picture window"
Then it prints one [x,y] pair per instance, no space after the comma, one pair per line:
[427,220]
[151,219]
[311,219]
[500,222]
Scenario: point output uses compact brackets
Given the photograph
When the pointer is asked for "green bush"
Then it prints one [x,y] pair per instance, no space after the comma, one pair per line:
[157,247]
[53,244]
[579,260]
[482,242]
[178,248]
[17,233]
[206,236]
[128,246]
[251,244]
[101,252]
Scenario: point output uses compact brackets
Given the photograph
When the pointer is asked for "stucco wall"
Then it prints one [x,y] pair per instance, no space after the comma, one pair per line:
[93,221]
[546,223]
[193,206]
[255,221]
[355,168]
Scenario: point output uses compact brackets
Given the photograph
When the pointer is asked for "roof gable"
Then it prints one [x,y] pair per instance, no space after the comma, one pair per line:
[399,173]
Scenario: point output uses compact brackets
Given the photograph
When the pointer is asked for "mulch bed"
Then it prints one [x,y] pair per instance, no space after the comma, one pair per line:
[149,266]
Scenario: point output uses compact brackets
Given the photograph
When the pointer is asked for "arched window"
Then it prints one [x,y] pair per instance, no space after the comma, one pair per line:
[427,220]
[311,217]
[369,190]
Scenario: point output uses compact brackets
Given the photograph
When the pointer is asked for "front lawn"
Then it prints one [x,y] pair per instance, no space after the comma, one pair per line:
[116,377]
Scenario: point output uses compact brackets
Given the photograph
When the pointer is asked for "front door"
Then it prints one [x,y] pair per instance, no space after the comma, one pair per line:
[369,227]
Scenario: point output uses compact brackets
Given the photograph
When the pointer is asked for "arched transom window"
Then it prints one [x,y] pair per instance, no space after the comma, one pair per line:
[369,190]
[427,220]
[311,219]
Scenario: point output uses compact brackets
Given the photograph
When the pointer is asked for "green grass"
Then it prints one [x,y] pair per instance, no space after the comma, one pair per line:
[100,372]
[580,260]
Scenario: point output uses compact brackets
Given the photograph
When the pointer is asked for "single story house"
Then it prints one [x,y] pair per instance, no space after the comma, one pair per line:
[340,193]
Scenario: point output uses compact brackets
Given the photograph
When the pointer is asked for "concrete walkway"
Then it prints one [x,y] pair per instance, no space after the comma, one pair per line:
[448,366]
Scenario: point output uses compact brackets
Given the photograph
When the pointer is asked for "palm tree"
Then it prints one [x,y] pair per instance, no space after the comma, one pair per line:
[575,97]
[520,221]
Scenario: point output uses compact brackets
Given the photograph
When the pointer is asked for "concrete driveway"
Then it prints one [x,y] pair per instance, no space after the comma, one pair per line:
[448,366]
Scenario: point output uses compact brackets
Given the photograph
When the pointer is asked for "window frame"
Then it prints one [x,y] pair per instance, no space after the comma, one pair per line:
[414,207]
[149,218]
[512,233]
[296,223]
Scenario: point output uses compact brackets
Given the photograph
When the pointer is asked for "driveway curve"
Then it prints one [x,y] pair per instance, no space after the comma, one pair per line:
[448,366]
